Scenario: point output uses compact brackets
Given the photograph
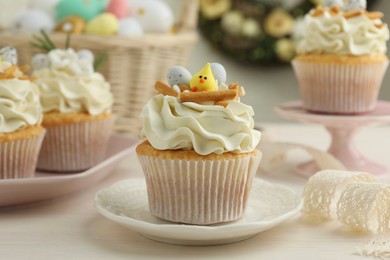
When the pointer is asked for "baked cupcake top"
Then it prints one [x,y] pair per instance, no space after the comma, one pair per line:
[68,83]
[19,96]
[343,30]
[199,113]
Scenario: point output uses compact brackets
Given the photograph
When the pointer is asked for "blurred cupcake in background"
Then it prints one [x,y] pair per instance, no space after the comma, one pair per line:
[76,103]
[341,58]
[21,133]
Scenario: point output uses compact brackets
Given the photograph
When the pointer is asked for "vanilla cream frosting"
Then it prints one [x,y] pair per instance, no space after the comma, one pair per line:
[19,105]
[69,84]
[327,34]
[171,125]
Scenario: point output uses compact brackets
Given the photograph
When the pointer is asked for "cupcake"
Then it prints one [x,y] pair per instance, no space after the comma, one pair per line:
[341,58]
[199,157]
[76,103]
[21,133]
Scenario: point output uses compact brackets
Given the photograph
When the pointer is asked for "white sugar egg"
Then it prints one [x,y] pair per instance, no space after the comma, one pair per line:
[219,72]
[178,75]
[32,21]
[330,3]
[352,5]
[155,16]
[85,54]
[40,61]
[130,27]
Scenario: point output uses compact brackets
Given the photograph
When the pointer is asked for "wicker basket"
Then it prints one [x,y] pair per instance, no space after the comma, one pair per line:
[133,64]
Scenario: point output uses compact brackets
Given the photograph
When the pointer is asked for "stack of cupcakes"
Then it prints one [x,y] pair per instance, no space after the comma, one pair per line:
[341,58]
[21,133]
[200,155]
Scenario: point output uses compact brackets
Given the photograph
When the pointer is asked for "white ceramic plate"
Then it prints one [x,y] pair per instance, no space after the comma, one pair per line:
[45,186]
[126,203]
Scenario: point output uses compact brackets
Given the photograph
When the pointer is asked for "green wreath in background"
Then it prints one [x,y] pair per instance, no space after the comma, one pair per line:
[254,31]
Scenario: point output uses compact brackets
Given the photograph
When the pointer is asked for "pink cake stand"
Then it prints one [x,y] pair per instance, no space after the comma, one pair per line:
[342,129]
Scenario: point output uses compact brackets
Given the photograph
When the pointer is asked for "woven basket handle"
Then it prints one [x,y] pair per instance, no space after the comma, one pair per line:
[189,16]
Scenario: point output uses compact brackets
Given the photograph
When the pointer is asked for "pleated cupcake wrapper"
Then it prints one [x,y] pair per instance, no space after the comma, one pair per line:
[75,147]
[339,88]
[199,192]
[18,158]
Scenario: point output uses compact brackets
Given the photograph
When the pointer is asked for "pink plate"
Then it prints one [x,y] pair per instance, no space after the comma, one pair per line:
[342,129]
[45,186]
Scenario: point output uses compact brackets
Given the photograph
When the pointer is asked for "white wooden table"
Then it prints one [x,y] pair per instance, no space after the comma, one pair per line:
[70,227]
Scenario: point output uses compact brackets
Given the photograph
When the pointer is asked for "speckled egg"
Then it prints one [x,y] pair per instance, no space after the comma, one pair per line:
[32,21]
[155,16]
[178,75]
[47,6]
[40,61]
[85,54]
[219,72]
[104,24]
[329,3]
[9,54]
[119,8]
[88,9]
[130,27]
[355,5]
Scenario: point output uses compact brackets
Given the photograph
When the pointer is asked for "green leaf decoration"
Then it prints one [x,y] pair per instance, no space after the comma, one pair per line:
[43,42]
[99,61]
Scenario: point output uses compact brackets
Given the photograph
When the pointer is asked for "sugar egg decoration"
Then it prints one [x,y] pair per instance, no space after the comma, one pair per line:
[330,3]
[219,72]
[178,75]
[351,5]
[32,21]
[155,16]
[40,61]
[85,54]
[9,54]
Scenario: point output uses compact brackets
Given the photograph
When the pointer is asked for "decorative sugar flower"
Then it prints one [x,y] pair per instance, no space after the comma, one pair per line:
[214,9]
[279,23]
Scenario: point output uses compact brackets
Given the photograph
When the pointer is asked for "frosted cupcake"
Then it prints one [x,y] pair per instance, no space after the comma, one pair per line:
[77,104]
[341,58]
[21,133]
[200,155]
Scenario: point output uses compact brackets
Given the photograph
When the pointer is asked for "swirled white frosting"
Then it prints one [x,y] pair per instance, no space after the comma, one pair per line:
[69,85]
[171,125]
[19,105]
[329,34]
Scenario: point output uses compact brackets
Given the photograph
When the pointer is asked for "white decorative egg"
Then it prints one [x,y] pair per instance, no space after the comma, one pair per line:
[47,6]
[178,75]
[351,5]
[40,61]
[85,54]
[9,54]
[155,16]
[130,27]
[330,3]
[219,72]
[32,21]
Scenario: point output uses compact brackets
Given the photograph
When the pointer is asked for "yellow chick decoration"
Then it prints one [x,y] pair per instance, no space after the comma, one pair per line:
[203,80]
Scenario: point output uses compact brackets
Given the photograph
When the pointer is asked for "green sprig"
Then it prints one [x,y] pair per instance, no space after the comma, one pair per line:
[100,59]
[43,42]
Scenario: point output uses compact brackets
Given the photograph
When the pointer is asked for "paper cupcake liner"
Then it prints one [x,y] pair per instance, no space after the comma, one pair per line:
[199,192]
[18,158]
[339,88]
[74,147]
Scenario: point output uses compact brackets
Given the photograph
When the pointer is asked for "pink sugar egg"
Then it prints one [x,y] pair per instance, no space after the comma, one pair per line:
[119,8]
